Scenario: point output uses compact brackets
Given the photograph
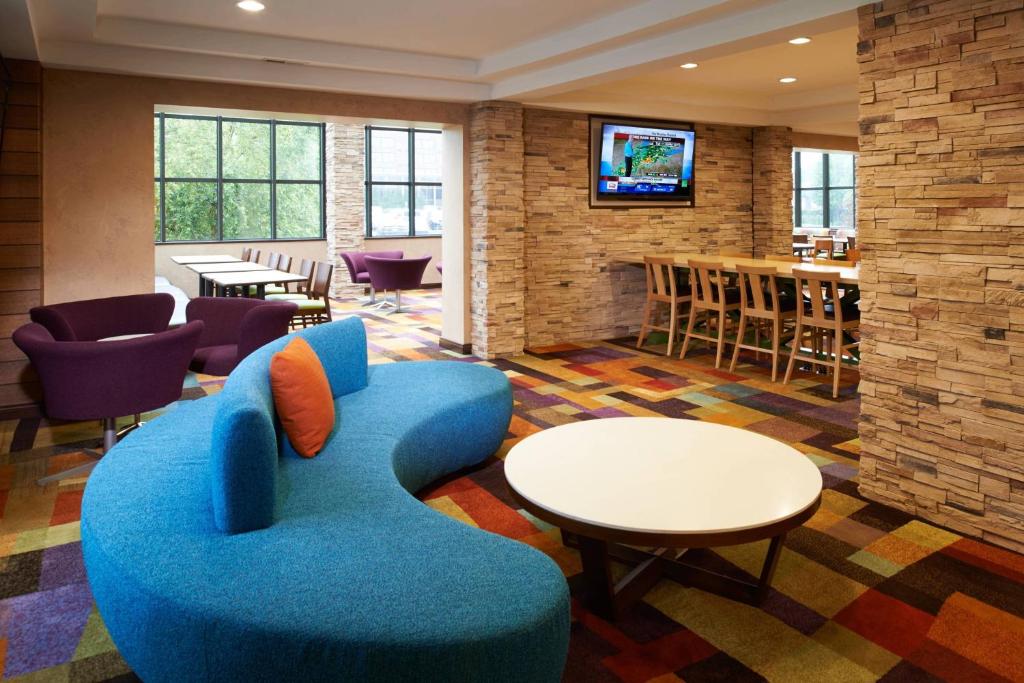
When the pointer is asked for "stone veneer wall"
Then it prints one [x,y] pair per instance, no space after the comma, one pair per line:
[573,291]
[496,214]
[941,219]
[345,149]
[773,190]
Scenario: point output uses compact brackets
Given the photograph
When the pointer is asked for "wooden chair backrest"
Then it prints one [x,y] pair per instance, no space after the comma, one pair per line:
[255,256]
[661,280]
[284,262]
[272,260]
[853,256]
[732,251]
[306,268]
[785,259]
[824,244]
[321,284]
[707,284]
[759,292]
[246,253]
[800,239]
[819,289]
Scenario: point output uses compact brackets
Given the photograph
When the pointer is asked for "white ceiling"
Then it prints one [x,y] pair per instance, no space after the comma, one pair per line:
[615,56]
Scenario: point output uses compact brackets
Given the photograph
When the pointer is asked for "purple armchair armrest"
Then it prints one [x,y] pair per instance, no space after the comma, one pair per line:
[235,327]
[88,380]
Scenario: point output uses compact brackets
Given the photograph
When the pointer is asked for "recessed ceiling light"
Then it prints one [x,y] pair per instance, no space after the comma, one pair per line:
[251,6]
[688,65]
[801,40]
[787,79]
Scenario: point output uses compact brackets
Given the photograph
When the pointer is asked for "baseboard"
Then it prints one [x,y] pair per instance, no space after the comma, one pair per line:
[432,285]
[464,349]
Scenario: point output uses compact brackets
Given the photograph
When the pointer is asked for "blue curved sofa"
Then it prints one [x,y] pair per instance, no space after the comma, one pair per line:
[216,553]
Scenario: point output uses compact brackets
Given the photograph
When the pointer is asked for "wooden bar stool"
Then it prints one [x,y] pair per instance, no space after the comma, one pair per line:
[662,288]
[824,244]
[771,313]
[852,256]
[710,295]
[822,318]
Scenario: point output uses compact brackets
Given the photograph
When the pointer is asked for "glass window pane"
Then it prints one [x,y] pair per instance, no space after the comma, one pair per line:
[156,212]
[389,155]
[840,170]
[246,149]
[428,157]
[298,211]
[389,210]
[428,210]
[810,169]
[246,211]
[298,152]
[840,208]
[811,209]
[190,148]
[191,211]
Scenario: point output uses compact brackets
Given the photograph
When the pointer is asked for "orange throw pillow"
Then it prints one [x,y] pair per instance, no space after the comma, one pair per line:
[302,397]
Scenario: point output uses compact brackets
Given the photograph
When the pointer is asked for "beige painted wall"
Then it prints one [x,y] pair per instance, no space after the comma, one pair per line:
[98,166]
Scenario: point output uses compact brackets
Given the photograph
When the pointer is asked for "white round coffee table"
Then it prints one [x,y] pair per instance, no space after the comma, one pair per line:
[668,483]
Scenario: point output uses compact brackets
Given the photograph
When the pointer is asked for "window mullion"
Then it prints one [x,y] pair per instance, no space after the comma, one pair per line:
[220,182]
[273,180]
[163,183]
[798,199]
[368,181]
[826,220]
[412,183]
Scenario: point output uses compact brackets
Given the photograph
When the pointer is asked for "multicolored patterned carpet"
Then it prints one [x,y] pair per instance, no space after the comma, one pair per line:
[862,592]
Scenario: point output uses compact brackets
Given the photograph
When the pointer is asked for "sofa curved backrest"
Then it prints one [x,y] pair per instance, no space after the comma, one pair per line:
[88,380]
[246,434]
[388,273]
[93,319]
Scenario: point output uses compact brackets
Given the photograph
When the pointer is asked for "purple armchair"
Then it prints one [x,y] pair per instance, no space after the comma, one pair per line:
[234,328]
[114,316]
[356,262]
[396,274]
[85,379]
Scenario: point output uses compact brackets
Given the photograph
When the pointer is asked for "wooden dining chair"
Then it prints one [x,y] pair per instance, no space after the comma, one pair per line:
[800,238]
[284,264]
[316,307]
[823,244]
[853,256]
[784,259]
[822,320]
[246,253]
[273,259]
[254,256]
[662,287]
[763,307]
[710,296]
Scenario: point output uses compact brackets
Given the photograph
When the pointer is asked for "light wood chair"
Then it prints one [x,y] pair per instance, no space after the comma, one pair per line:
[799,238]
[710,295]
[662,288]
[316,307]
[784,259]
[822,320]
[824,244]
[761,304]
[853,256]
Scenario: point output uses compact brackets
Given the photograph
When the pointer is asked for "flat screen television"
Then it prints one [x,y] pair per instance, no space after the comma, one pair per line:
[640,162]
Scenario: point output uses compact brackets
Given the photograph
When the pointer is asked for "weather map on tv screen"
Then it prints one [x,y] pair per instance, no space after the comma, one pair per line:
[641,162]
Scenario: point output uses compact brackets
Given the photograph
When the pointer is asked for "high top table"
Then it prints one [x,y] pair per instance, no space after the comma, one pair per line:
[615,484]
[205,288]
[847,276]
[204,258]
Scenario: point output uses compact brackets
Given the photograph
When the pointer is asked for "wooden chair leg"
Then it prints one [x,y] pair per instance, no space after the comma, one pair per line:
[797,341]
[739,339]
[644,324]
[673,322]
[689,333]
[838,346]
[721,339]
[776,341]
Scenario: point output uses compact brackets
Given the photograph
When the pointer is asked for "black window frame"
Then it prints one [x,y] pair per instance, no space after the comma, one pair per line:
[825,189]
[411,183]
[162,179]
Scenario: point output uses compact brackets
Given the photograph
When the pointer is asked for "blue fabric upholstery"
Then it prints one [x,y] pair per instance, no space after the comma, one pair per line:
[346,576]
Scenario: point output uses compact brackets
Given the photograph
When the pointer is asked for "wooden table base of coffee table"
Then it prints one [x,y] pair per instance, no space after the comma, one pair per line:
[611,599]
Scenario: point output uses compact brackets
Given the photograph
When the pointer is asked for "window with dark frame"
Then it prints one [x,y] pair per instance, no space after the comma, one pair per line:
[823,190]
[403,182]
[219,178]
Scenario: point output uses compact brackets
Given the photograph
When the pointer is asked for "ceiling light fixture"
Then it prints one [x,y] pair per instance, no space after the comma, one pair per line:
[787,79]
[800,40]
[688,65]
[251,6]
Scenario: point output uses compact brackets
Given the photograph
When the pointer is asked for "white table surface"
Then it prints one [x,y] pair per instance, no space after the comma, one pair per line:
[255,277]
[239,267]
[205,258]
[662,475]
